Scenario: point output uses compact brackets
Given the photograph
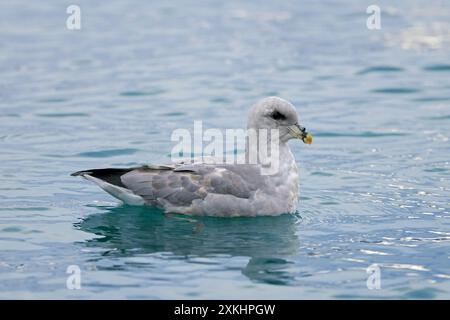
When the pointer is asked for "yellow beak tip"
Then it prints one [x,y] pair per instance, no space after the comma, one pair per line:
[308,139]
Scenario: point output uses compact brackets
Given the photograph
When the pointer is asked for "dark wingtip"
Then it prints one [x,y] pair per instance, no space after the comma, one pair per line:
[78,173]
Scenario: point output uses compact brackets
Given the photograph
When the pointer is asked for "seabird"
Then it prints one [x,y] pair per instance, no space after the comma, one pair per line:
[200,188]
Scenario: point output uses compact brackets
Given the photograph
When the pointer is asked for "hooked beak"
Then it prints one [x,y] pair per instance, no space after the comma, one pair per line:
[299,132]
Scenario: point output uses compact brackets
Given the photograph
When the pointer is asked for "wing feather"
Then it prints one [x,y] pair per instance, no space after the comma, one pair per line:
[181,185]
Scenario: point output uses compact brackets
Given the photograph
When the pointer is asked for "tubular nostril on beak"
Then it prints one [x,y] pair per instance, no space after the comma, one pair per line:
[302,129]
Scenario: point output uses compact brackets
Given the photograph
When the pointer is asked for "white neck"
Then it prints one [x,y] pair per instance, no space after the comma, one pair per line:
[271,153]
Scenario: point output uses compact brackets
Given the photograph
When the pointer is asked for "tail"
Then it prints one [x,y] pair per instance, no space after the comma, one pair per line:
[109,179]
[110,175]
[102,171]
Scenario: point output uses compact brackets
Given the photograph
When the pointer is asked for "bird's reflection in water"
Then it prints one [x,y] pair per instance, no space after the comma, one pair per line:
[269,242]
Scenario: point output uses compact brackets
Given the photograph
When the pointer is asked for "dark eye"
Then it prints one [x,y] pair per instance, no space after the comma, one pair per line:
[278,115]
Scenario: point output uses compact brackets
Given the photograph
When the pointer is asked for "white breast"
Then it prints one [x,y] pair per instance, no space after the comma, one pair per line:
[288,179]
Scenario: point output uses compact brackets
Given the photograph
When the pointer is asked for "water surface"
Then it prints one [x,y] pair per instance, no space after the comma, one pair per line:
[374,185]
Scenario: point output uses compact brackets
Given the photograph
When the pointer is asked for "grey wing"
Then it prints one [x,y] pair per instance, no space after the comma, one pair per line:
[180,186]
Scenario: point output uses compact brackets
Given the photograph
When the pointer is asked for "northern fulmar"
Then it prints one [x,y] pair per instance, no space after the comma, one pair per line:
[219,189]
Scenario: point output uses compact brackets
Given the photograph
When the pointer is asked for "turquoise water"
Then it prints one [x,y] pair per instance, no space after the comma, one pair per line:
[374,185]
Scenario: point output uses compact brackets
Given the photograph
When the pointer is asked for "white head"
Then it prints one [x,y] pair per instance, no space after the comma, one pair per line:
[277,113]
